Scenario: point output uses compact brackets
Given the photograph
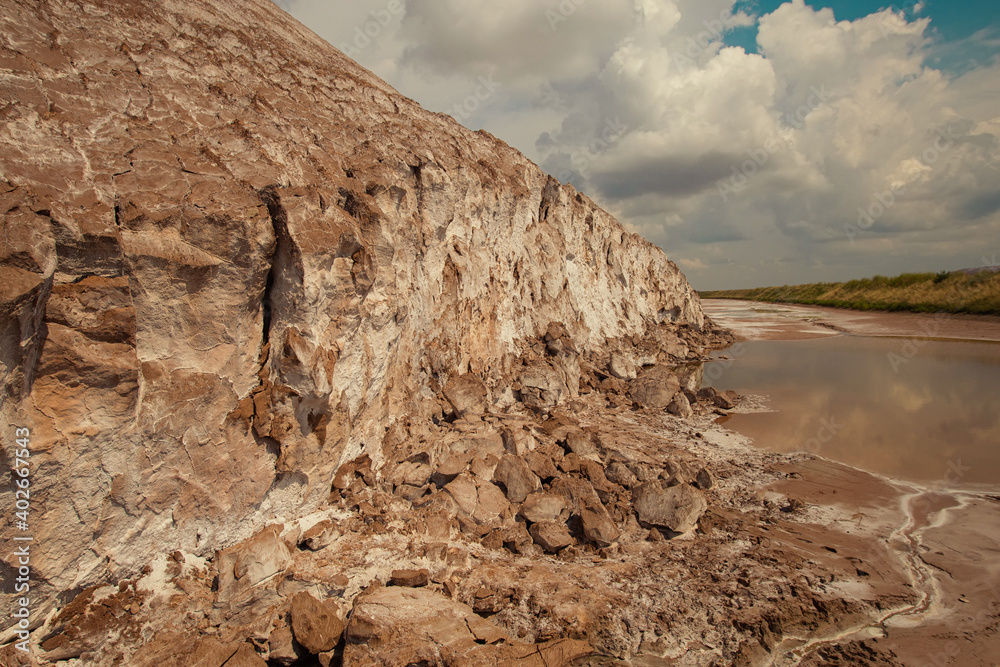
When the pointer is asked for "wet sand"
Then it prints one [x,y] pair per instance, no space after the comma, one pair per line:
[779,321]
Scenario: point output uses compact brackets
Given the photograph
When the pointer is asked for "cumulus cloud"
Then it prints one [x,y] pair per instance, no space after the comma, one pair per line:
[836,150]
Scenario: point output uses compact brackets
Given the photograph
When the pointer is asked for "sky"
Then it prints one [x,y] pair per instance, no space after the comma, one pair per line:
[757,142]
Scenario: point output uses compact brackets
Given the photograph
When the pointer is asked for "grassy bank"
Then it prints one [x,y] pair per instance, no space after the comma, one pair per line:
[956,292]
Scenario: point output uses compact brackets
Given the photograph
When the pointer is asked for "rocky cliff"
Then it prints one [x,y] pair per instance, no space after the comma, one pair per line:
[232,260]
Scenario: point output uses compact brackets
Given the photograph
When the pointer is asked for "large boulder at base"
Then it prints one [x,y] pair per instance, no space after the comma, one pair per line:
[655,388]
[676,508]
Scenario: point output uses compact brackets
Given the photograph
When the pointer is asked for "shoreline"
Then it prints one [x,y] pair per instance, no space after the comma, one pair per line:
[908,535]
[799,322]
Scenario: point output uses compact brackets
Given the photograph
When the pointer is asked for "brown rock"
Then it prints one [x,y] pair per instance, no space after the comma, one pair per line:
[579,494]
[410,578]
[490,503]
[543,507]
[680,406]
[622,366]
[595,473]
[676,508]
[245,656]
[727,399]
[541,465]
[451,468]
[467,395]
[463,491]
[654,388]
[581,444]
[619,473]
[320,536]
[316,625]
[551,536]
[704,479]
[251,563]
[599,528]
[516,477]
[402,626]
[282,649]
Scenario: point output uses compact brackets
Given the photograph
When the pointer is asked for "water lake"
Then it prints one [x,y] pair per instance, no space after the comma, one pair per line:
[916,409]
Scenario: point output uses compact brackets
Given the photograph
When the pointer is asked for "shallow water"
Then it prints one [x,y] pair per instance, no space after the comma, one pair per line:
[920,410]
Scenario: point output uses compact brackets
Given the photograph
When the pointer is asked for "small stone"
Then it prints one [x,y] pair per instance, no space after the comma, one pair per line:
[704,480]
[581,444]
[410,578]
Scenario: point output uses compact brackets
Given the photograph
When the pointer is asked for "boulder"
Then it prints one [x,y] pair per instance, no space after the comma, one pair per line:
[467,395]
[704,479]
[727,399]
[551,536]
[622,366]
[251,563]
[619,474]
[680,406]
[599,528]
[516,477]
[543,506]
[581,444]
[410,578]
[316,625]
[655,388]
[245,656]
[542,386]
[676,508]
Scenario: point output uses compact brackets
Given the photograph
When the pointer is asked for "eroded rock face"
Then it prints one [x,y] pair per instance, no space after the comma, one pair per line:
[231,258]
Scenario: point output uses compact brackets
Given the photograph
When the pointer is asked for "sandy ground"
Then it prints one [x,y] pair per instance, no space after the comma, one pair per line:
[928,560]
[754,320]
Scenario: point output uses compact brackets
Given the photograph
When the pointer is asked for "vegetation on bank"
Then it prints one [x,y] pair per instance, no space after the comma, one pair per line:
[956,292]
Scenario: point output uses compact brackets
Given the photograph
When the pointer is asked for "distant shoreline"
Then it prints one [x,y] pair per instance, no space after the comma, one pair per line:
[970,292]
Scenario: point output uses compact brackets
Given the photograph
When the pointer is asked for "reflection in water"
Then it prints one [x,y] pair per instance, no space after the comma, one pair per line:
[933,417]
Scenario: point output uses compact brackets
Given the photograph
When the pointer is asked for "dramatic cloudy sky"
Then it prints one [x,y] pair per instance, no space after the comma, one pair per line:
[758,143]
